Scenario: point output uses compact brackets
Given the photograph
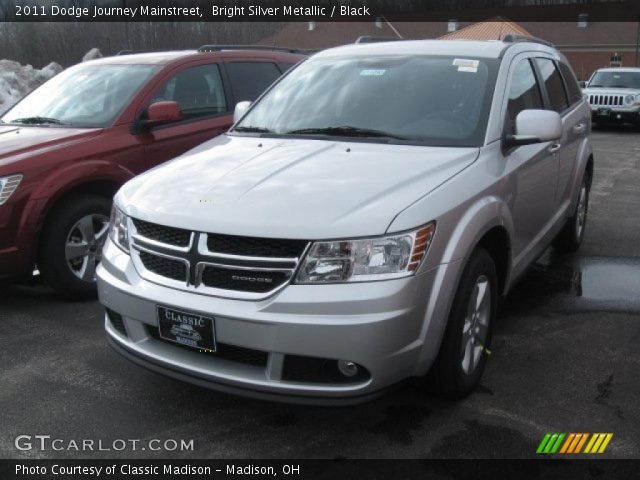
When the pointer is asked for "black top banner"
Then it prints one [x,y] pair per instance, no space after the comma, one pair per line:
[314,10]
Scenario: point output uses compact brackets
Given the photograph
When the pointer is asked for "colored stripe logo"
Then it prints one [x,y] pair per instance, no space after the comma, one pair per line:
[574,443]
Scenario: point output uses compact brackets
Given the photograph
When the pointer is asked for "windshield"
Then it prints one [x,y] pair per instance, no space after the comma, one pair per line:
[434,100]
[82,96]
[615,80]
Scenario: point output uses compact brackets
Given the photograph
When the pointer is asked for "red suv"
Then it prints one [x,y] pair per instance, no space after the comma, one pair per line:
[67,147]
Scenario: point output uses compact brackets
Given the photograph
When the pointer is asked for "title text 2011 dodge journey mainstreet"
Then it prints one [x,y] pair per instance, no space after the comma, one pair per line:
[357,224]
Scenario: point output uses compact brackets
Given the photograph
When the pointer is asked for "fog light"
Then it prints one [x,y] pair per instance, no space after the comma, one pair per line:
[347,368]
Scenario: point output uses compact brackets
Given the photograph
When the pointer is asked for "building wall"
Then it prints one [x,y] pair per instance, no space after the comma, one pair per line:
[584,63]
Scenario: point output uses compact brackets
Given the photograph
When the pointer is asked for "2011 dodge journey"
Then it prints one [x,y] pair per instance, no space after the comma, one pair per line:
[357,224]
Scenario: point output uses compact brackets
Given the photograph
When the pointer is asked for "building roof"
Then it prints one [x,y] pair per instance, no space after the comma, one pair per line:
[325,34]
[495,29]
[562,34]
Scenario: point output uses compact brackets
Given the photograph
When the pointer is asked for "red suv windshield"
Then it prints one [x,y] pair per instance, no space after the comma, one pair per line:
[82,96]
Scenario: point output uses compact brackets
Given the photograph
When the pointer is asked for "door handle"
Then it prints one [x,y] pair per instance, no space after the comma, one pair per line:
[554,147]
[580,128]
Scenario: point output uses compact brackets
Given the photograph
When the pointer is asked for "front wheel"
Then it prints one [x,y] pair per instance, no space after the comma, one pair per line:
[465,346]
[71,245]
[570,237]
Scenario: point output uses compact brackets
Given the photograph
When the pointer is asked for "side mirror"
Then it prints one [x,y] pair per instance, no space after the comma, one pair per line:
[582,84]
[240,110]
[157,113]
[163,112]
[535,126]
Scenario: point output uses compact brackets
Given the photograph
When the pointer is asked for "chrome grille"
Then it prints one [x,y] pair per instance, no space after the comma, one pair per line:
[259,281]
[160,233]
[165,267]
[210,263]
[256,247]
[606,100]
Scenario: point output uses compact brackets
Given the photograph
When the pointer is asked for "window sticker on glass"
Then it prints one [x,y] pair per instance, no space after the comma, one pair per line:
[373,72]
[465,65]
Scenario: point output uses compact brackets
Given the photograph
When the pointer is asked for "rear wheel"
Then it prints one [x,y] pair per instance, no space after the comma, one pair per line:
[72,241]
[570,237]
[463,353]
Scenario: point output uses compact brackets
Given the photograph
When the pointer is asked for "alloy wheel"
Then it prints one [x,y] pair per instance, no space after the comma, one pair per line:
[581,212]
[476,325]
[83,248]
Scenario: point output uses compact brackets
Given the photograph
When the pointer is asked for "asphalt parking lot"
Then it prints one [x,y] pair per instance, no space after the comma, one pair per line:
[565,358]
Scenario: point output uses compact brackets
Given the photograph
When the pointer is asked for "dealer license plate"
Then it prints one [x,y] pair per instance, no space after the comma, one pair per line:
[187,328]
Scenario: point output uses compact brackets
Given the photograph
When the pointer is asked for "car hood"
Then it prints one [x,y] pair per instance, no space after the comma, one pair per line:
[17,141]
[290,188]
[611,91]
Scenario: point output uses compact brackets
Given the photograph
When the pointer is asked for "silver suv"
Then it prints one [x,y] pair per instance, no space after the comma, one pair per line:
[357,224]
[614,95]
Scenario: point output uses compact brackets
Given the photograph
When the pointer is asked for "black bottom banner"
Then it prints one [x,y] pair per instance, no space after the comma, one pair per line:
[318,469]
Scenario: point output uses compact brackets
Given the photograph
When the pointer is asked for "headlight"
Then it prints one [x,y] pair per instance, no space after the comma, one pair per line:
[366,259]
[8,185]
[629,99]
[119,229]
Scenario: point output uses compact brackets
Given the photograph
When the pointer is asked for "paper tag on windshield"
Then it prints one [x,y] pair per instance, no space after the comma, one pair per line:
[372,72]
[466,65]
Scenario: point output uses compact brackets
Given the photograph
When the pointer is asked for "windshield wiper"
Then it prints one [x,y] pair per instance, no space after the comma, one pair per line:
[595,86]
[345,131]
[38,121]
[252,130]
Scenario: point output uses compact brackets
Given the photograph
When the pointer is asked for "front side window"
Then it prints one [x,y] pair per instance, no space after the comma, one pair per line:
[82,96]
[250,79]
[198,91]
[553,82]
[433,100]
[524,93]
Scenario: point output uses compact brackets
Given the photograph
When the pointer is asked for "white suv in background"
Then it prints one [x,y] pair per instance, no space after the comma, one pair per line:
[614,95]
[357,224]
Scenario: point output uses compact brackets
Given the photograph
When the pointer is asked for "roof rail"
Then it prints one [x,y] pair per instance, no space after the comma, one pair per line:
[218,48]
[512,38]
[132,52]
[372,39]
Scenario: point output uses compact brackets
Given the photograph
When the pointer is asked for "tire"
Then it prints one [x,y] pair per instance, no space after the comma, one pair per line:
[71,244]
[570,237]
[462,356]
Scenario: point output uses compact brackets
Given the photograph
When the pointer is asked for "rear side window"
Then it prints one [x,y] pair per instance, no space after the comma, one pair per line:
[250,79]
[198,91]
[573,90]
[524,93]
[553,81]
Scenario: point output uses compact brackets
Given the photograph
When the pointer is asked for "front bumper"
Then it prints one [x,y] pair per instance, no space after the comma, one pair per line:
[615,114]
[389,328]
[17,238]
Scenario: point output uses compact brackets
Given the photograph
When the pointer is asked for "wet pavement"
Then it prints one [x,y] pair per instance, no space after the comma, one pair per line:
[565,358]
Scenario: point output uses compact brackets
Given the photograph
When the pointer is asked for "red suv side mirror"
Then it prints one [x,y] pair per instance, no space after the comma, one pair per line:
[163,112]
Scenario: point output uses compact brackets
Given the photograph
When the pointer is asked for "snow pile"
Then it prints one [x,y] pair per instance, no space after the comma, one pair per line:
[17,80]
[92,55]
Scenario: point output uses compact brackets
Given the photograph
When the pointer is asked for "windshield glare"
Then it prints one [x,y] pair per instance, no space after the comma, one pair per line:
[616,80]
[82,96]
[435,100]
